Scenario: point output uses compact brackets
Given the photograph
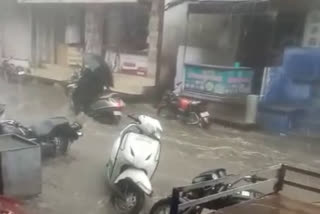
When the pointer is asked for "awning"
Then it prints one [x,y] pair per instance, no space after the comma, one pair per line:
[222,6]
[229,6]
[78,1]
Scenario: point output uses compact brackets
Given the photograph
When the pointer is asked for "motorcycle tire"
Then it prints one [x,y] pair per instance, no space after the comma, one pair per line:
[128,189]
[64,146]
[61,145]
[161,207]
[192,119]
[204,124]
[48,150]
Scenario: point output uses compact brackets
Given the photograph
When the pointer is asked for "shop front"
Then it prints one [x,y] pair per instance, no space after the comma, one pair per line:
[249,37]
[217,72]
[123,32]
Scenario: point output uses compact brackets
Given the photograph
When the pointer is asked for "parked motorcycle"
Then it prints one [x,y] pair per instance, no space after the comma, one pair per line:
[163,205]
[11,69]
[133,162]
[192,112]
[54,135]
[101,104]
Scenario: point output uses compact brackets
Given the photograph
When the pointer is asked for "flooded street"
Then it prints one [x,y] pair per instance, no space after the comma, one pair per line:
[75,183]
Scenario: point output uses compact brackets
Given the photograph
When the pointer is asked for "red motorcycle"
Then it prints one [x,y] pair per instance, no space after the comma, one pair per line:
[191,112]
[11,206]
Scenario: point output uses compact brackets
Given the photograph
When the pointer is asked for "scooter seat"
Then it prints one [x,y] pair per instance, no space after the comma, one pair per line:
[44,128]
[107,96]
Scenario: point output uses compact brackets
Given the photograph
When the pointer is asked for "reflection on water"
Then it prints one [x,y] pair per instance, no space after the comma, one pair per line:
[31,102]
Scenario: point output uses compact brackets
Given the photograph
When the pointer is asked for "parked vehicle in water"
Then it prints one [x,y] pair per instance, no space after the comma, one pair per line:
[133,162]
[11,69]
[258,191]
[163,205]
[89,91]
[192,112]
[11,206]
[54,135]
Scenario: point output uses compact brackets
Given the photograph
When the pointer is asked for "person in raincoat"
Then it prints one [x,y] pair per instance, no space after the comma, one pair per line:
[95,76]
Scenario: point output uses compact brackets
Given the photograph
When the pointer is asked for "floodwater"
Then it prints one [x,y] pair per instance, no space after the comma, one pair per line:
[75,183]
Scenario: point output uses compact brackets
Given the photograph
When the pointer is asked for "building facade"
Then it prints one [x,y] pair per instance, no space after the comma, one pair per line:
[44,32]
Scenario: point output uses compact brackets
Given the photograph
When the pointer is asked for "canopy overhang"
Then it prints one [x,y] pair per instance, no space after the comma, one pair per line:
[228,6]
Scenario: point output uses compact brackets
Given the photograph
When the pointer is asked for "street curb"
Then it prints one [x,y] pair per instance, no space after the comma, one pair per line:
[148,95]
[42,80]
[130,98]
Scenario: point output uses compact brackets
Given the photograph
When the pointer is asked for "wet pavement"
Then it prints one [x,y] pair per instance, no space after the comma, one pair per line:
[75,183]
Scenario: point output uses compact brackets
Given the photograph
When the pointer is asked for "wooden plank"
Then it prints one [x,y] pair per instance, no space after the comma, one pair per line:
[273,204]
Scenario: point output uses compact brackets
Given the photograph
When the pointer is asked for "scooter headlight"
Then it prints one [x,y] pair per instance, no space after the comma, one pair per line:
[157,135]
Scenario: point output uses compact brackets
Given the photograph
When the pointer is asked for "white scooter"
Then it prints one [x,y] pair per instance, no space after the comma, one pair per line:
[134,159]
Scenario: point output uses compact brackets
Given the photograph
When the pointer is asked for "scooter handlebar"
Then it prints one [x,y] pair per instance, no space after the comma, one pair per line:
[134,118]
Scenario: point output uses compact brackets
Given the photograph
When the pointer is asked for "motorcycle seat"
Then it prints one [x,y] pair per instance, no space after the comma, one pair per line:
[194,103]
[208,175]
[219,171]
[44,128]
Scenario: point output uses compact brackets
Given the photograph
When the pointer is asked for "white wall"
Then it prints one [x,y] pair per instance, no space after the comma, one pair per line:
[15,30]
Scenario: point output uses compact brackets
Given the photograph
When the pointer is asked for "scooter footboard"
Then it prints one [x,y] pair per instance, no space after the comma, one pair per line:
[139,177]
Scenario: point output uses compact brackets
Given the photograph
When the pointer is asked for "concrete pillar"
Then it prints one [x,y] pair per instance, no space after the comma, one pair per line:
[94,29]
[38,51]
[155,37]
[115,31]
[1,30]
[73,26]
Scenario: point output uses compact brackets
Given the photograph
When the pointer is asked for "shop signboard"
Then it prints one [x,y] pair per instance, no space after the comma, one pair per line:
[217,80]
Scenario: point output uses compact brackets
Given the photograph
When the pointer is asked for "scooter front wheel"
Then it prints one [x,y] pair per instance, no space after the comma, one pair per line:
[130,198]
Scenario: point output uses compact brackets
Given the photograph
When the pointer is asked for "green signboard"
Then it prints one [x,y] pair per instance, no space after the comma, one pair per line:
[217,80]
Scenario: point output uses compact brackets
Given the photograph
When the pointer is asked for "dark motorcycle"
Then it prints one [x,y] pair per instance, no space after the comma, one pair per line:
[89,92]
[163,205]
[54,135]
[192,112]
